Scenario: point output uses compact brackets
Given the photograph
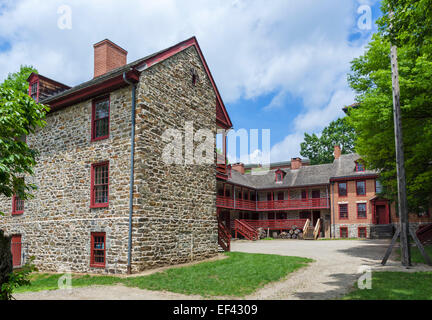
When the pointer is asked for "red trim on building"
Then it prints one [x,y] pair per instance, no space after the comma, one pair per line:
[16,246]
[365,191]
[345,230]
[93,204]
[15,199]
[345,211]
[365,211]
[93,91]
[359,167]
[354,178]
[118,81]
[365,232]
[98,250]
[346,190]
[93,121]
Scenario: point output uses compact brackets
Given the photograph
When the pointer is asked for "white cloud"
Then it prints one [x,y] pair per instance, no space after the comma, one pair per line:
[288,47]
[287,149]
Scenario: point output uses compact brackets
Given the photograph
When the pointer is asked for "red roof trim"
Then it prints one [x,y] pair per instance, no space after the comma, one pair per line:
[226,122]
[111,84]
[363,177]
[34,75]
[94,91]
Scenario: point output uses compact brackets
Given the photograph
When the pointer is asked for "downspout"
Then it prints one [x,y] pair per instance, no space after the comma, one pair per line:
[332,208]
[131,187]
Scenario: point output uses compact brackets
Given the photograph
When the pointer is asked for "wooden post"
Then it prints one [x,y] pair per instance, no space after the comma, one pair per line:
[400,165]
[400,162]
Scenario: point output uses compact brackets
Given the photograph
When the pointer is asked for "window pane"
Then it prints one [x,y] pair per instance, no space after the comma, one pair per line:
[19,204]
[98,250]
[100,187]
[361,188]
[342,189]
[361,210]
[378,186]
[101,127]
[101,109]
[343,211]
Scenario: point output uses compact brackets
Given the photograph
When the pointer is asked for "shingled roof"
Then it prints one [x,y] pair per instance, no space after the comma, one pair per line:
[322,174]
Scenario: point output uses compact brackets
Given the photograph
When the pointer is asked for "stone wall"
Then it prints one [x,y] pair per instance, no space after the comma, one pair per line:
[174,206]
[56,225]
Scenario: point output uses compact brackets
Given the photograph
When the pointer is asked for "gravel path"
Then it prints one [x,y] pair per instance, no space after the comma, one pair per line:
[334,271]
[331,276]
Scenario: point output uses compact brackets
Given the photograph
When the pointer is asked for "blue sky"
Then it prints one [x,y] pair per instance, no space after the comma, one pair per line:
[279,64]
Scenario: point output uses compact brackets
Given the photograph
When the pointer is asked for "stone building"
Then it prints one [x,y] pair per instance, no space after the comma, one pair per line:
[341,197]
[106,201]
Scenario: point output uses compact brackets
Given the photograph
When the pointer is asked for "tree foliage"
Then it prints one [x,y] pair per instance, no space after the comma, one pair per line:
[319,149]
[18,80]
[410,24]
[20,115]
[371,78]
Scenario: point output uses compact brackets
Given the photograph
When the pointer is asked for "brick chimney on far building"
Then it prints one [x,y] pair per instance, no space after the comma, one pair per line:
[108,56]
[337,152]
[296,163]
[239,167]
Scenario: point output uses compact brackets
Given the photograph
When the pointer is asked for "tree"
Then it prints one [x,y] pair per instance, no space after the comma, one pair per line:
[410,24]
[371,78]
[320,149]
[20,115]
[18,80]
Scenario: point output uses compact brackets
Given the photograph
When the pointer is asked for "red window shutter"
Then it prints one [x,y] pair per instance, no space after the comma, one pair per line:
[16,250]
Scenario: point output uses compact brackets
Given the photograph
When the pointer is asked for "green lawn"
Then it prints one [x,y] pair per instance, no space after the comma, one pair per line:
[396,286]
[416,256]
[238,275]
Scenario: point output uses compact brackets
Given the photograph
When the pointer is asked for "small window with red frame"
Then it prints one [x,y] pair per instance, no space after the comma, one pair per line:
[17,205]
[342,187]
[361,210]
[343,211]
[360,167]
[98,250]
[34,91]
[100,185]
[344,232]
[100,119]
[361,188]
[279,176]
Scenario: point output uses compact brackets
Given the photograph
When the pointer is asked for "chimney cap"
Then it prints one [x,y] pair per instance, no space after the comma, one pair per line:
[109,42]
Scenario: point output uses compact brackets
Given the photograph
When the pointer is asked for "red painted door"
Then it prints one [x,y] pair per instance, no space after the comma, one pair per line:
[16,250]
[382,215]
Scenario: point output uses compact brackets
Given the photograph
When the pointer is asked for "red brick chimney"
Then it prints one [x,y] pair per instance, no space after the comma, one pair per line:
[337,152]
[239,167]
[108,56]
[296,163]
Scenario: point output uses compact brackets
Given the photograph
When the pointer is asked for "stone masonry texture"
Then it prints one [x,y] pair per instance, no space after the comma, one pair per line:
[174,217]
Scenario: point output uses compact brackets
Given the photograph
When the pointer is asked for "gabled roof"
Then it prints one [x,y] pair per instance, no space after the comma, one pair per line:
[114,79]
[315,175]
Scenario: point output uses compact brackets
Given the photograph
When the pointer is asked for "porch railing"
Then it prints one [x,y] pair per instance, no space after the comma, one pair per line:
[292,204]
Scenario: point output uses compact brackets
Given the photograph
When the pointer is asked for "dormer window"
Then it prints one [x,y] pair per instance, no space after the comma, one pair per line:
[279,175]
[34,91]
[360,167]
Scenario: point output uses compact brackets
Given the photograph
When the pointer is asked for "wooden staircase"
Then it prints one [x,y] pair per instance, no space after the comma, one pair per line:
[246,230]
[311,232]
[224,238]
